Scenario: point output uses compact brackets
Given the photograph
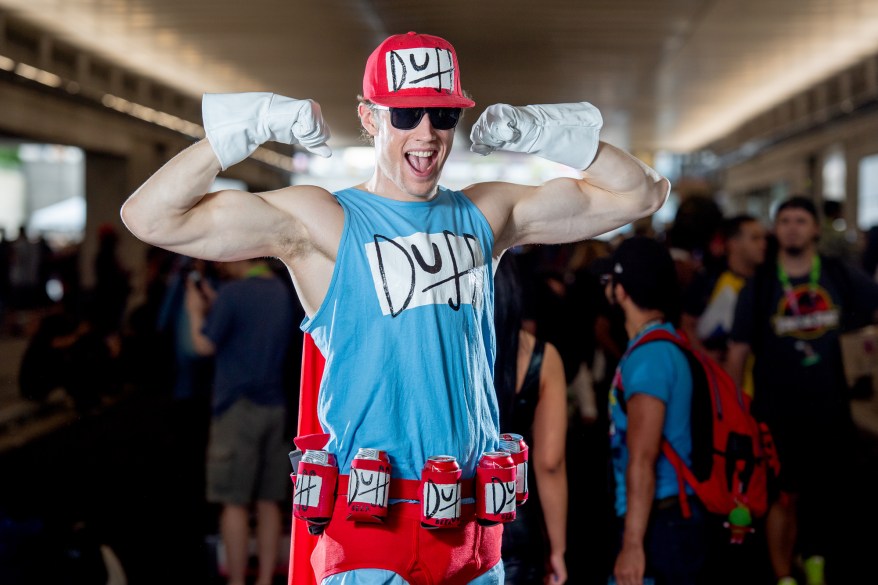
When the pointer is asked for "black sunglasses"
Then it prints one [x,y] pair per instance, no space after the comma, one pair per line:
[408,118]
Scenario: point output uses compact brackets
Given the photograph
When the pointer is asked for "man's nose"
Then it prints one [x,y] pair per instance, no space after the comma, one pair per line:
[424,127]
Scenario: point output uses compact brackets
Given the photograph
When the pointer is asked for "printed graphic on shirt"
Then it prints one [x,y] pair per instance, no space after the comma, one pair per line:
[421,67]
[612,401]
[716,320]
[426,269]
[811,315]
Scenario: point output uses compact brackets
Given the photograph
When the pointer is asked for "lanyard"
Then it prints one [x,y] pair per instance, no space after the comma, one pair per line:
[813,279]
[258,270]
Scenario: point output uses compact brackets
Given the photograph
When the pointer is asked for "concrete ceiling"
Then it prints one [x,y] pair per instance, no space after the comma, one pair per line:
[667,74]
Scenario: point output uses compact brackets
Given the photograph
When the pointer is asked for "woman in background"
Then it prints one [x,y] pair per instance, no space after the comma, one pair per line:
[532,395]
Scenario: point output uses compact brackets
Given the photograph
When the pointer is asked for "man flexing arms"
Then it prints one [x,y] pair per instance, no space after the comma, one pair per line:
[395,274]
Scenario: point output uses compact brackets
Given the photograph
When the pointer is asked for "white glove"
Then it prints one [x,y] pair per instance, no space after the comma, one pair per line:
[563,133]
[237,123]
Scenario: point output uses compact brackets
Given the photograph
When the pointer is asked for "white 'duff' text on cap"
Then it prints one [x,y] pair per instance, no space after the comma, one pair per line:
[420,67]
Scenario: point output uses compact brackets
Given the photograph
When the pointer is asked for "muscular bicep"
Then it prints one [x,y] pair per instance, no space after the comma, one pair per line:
[227,226]
[616,190]
[233,225]
[170,210]
[567,210]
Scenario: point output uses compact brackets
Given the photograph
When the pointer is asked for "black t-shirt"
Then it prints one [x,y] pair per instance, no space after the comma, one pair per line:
[798,364]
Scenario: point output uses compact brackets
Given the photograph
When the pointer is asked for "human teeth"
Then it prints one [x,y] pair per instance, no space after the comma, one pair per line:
[422,153]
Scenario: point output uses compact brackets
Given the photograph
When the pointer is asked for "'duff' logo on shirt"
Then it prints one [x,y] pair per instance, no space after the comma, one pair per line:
[426,269]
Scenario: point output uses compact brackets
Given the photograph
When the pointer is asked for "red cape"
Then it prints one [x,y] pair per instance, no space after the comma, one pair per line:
[301,541]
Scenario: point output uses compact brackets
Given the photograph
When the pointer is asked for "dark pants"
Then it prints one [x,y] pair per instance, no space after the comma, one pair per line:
[818,452]
[525,546]
[676,547]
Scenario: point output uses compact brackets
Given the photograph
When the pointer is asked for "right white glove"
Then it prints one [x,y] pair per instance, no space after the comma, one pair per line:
[237,123]
[562,133]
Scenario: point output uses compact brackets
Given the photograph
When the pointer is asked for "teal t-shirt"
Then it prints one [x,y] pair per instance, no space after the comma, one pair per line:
[660,369]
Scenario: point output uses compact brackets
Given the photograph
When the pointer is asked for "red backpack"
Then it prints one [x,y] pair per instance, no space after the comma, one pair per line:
[733,457]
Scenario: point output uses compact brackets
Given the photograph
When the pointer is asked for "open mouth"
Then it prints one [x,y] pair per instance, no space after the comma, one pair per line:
[421,161]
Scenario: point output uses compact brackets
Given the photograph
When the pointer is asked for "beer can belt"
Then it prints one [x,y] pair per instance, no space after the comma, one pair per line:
[409,510]
[407,489]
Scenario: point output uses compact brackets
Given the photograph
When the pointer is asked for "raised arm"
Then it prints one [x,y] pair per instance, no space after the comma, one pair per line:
[174,210]
[615,189]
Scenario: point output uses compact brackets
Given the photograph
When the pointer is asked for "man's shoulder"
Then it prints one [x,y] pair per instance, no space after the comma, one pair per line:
[298,198]
[656,351]
[653,367]
[493,188]
[495,198]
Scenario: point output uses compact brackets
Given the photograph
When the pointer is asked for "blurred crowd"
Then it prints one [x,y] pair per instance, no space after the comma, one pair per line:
[99,344]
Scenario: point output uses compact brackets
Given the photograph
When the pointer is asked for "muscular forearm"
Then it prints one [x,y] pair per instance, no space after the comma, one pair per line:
[156,213]
[617,172]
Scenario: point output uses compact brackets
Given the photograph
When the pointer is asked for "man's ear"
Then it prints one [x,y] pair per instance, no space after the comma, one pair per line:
[619,293]
[368,119]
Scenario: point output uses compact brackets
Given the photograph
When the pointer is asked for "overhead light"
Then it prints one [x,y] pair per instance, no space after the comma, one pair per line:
[38,75]
[273,158]
[152,116]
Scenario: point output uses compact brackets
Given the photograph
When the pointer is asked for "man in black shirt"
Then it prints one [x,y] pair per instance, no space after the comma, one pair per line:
[790,316]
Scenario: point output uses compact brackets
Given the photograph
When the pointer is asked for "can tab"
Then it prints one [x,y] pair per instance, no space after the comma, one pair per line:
[295,457]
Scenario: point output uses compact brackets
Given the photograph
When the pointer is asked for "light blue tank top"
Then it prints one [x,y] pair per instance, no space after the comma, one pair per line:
[407,330]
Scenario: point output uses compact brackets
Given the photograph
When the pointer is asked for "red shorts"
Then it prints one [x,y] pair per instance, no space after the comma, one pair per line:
[421,556]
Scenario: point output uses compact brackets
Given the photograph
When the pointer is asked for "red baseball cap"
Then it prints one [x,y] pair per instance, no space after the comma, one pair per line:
[412,71]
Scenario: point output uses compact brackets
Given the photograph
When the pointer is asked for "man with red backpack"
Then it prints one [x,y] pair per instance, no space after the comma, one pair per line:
[651,399]
[687,453]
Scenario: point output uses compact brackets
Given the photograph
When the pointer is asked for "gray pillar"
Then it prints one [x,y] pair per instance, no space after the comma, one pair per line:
[106,187]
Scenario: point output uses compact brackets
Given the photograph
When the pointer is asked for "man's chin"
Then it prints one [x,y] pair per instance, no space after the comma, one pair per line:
[423,190]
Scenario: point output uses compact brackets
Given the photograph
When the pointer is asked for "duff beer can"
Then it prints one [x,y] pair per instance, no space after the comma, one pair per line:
[495,488]
[369,486]
[314,494]
[440,492]
[517,447]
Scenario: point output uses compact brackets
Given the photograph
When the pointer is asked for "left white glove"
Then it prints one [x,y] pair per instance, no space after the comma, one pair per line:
[564,133]
[237,123]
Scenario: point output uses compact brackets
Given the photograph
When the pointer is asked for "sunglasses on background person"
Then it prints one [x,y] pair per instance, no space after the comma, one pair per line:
[408,118]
